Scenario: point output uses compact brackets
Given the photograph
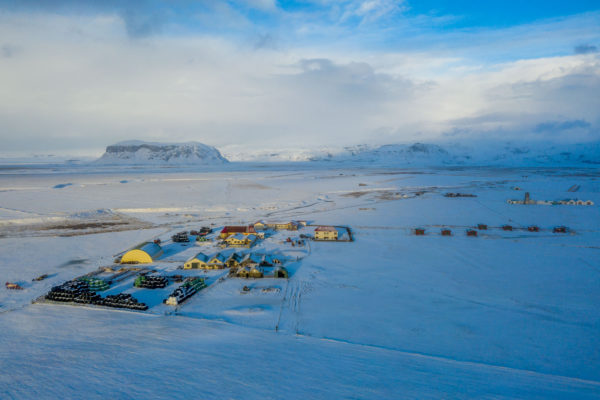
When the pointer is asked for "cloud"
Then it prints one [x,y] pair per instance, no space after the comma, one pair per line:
[80,80]
[561,126]
[142,24]
[585,49]
[371,10]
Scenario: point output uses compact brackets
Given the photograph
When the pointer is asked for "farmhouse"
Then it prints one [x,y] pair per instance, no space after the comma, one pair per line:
[240,240]
[234,260]
[326,233]
[232,230]
[198,261]
[252,259]
[143,253]
[216,262]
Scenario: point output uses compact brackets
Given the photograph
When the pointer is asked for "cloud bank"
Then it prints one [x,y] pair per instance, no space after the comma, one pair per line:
[257,74]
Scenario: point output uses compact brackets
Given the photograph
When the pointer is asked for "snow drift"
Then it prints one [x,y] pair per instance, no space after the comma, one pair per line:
[149,153]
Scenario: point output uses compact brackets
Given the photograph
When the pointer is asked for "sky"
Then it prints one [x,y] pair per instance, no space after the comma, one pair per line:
[245,75]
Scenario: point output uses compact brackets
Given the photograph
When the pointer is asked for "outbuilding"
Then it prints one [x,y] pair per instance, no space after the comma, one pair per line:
[143,253]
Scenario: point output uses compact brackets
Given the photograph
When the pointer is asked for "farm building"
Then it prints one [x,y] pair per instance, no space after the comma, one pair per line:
[280,272]
[142,254]
[326,233]
[232,230]
[240,240]
[252,259]
[216,262]
[255,272]
[198,261]
[290,226]
[243,272]
[234,260]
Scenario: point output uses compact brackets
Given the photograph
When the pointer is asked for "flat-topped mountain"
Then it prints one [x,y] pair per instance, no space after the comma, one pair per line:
[139,152]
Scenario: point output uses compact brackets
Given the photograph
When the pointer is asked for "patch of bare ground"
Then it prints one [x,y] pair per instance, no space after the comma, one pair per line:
[75,227]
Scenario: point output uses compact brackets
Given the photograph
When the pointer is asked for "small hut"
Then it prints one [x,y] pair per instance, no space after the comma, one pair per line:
[533,228]
[419,231]
[446,232]
[482,227]
[507,227]
[560,229]
[471,232]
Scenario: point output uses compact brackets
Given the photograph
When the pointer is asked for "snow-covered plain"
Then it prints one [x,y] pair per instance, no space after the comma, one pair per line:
[507,314]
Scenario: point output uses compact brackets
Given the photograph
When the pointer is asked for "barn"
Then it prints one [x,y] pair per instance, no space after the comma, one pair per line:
[143,253]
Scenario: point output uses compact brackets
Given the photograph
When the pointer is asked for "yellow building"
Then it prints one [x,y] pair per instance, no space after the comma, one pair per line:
[234,230]
[216,262]
[255,272]
[326,233]
[144,253]
[234,260]
[198,261]
[278,226]
[240,240]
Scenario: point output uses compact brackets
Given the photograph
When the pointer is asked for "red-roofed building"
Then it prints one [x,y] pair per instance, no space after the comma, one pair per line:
[232,230]
[326,233]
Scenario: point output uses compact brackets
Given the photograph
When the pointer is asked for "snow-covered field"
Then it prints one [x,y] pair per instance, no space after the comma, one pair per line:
[507,314]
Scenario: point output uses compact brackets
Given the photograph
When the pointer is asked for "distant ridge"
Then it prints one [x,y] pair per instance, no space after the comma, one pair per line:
[155,153]
[475,154]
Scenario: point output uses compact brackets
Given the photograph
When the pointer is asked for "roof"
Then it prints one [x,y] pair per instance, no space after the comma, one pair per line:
[238,229]
[235,256]
[220,257]
[149,247]
[200,256]
[254,257]
[325,229]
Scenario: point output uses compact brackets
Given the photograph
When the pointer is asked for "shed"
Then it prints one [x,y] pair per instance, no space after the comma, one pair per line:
[446,232]
[143,253]
[533,228]
[507,227]
[471,232]
[482,227]
[419,231]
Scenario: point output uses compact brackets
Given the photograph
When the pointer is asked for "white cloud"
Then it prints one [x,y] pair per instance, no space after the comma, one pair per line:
[82,81]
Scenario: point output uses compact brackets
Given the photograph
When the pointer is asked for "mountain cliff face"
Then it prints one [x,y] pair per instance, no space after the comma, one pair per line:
[138,152]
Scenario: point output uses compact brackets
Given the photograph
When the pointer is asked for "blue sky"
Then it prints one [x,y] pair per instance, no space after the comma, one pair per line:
[296,73]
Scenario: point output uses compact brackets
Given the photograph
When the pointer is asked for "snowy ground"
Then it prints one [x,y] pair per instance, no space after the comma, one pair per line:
[391,315]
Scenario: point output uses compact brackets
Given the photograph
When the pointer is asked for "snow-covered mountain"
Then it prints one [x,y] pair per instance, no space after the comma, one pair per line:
[139,152]
[480,154]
